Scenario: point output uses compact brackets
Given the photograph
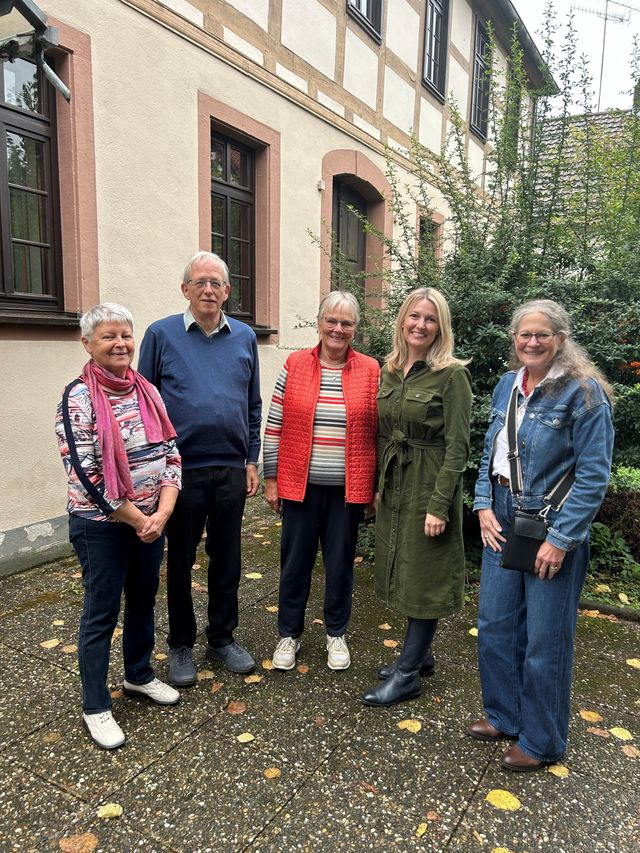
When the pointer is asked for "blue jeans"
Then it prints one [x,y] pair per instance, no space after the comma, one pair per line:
[114,559]
[526,629]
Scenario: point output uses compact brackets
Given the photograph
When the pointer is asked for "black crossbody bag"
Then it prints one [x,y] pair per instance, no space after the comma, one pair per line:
[528,529]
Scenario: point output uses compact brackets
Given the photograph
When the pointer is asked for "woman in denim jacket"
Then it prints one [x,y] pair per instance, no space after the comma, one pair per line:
[526,622]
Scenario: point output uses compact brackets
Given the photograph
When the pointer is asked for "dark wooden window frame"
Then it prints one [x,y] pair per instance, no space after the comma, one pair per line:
[40,126]
[479,118]
[435,61]
[372,22]
[229,192]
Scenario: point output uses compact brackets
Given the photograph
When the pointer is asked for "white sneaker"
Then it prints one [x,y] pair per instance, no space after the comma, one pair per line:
[104,730]
[156,690]
[284,656]
[338,653]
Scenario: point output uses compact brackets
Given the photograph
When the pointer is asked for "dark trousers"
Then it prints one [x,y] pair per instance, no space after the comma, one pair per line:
[214,498]
[114,559]
[323,516]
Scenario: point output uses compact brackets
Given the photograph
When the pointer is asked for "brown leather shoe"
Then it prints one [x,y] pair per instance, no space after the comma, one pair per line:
[483,730]
[515,759]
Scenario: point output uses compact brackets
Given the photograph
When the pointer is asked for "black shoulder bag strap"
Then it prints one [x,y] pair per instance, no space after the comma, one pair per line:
[106,508]
[560,492]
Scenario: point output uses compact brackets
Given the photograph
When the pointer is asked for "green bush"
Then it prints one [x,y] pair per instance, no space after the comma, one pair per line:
[610,554]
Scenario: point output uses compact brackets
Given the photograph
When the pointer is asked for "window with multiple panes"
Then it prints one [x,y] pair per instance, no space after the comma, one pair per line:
[349,231]
[368,13]
[435,45]
[29,212]
[233,219]
[480,86]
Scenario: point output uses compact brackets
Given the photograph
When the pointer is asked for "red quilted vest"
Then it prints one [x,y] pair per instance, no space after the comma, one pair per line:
[360,386]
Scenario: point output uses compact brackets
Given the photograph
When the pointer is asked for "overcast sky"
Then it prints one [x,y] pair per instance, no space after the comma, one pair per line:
[616,78]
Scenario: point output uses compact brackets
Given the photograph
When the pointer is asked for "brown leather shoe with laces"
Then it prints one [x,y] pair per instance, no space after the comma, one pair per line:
[483,730]
[515,759]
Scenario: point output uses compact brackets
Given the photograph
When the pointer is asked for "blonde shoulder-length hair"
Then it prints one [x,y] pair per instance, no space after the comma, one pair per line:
[440,354]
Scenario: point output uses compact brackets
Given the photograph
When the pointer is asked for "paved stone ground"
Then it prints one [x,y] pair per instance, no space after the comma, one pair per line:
[350,779]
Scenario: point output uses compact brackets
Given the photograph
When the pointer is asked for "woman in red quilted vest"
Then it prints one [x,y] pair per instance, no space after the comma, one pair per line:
[319,469]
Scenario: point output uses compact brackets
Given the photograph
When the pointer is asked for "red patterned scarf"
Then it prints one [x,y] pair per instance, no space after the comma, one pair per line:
[155,420]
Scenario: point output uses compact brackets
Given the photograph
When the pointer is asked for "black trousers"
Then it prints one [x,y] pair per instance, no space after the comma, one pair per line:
[322,517]
[212,497]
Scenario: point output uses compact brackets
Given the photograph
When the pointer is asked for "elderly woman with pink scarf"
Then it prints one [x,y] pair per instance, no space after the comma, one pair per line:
[119,451]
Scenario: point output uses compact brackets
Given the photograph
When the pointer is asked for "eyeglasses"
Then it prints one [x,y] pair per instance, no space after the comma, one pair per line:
[332,323]
[201,283]
[541,337]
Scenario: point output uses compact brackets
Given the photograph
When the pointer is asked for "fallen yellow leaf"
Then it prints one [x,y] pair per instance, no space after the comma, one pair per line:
[592,614]
[267,664]
[85,843]
[52,737]
[253,576]
[204,674]
[598,732]
[50,644]
[501,850]
[70,649]
[634,662]
[272,773]
[278,524]
[385,626]
[503,800]
[253,679]
[160,656]
[631,751]
[473,632]
[422,828]
[602,587]
[272,608]
[196,566]
[410,725]
[217,685]
[258,536]
[245,737]
[623,597]
[558,770]
[57,623]
[621,734]
[110,810]
[303,668]
[591,716]
[117,632]
[390,644]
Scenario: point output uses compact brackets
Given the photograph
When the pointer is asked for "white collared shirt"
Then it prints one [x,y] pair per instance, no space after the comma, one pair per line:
[500,465]
[189,320]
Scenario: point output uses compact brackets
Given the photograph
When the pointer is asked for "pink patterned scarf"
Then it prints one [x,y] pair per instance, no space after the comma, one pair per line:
[157,425]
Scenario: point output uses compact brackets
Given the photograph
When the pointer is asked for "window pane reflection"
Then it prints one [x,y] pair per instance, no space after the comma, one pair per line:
[25,158]
[27,216]
[28,269]
[21,85]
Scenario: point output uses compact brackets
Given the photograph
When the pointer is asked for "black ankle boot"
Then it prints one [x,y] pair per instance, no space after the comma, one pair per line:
[427,669]
[399,687]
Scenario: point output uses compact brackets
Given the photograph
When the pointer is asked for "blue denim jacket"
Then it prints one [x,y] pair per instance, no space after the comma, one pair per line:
[563,426]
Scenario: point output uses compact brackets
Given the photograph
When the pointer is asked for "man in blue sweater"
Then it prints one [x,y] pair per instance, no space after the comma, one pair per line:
[205,365]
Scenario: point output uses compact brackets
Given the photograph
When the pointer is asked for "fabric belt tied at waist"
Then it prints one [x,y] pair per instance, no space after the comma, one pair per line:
[397,447]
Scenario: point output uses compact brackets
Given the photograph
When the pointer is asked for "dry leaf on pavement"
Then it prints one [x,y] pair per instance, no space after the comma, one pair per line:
[319,722]
[623,597]
[631,751]
[501,850]
[621,734]
[50,644]
[253,576]
[57,623]
[421,829]
[272,773]
[160,656]
[117,693]
[602,587]
[558,770]
[599,732]
[591,716]
[245,737]
[204,674]
[52,737]
[70,649]
[318,622]
[634,662]
[390,644]
[258,535]
[303,668]
[267,664]
[217,685]
[235,707]
[503,800]
[110,810]
[385,626]
[410,725]
[253,679]
[85,843]
[271,608]
[433,815]
[473,632]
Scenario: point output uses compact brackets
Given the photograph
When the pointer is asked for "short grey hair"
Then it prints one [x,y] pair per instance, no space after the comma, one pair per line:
[339,297]
[208,257]
[106,312]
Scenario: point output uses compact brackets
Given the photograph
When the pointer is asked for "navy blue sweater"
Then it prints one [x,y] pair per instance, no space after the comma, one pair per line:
[211,388]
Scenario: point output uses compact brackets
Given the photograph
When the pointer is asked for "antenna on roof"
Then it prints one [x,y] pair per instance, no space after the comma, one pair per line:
[614,17]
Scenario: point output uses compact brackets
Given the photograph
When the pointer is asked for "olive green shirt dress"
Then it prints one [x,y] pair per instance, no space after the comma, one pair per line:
[423,447]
